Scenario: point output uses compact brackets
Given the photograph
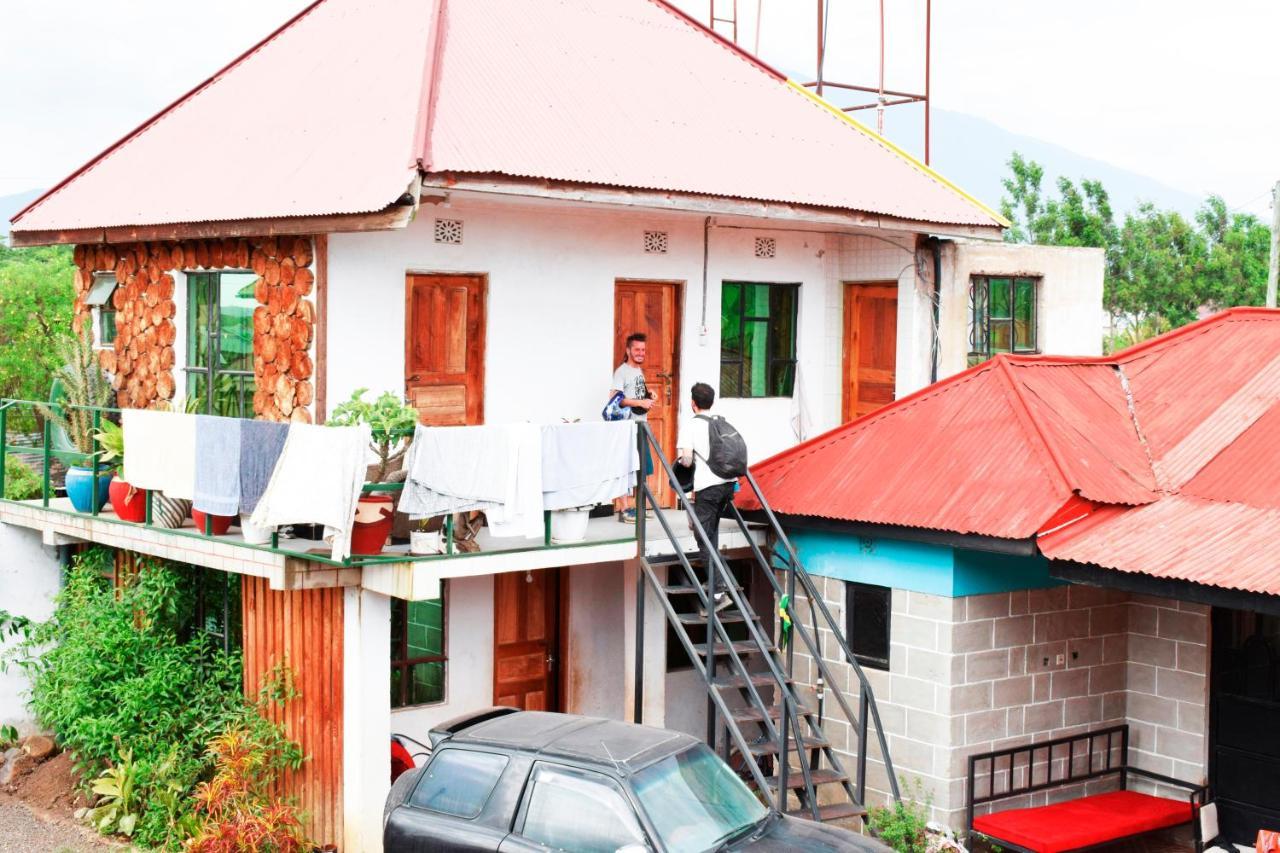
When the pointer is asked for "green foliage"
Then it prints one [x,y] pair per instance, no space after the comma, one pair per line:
[1162,269]
[122,678]
[903,824]
[390,417]
[36,295]
[111,439]
[20,482]
[8,737]
[118,806]
[83,384]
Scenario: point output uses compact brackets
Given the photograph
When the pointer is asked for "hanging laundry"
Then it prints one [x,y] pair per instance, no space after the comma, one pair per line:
[590,463]
[494,469]
[317,480]
[217,477]
[160,451]
[260,446]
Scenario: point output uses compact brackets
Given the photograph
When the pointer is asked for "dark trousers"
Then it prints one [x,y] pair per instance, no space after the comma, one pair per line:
[709,506]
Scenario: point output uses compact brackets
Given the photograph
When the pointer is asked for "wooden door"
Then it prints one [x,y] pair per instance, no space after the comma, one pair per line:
[444,348]
[653,308]
[870,346]
[526,639]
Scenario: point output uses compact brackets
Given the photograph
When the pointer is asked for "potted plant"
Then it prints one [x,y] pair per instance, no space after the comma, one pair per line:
[426,537]
[392,421]
[84,386]
[128,503]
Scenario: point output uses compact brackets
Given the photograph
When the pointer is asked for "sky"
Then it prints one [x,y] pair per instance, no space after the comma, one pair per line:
[1184,92]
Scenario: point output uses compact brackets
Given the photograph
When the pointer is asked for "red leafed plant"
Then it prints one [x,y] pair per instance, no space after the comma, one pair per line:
[237,809]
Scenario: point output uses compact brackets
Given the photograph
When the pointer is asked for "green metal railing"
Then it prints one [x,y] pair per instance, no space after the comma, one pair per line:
[99,470]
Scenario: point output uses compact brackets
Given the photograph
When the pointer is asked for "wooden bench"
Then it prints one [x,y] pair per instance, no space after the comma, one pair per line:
[1076,824]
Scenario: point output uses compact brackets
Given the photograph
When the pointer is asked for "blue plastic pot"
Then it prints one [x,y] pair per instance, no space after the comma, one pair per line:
[80,487]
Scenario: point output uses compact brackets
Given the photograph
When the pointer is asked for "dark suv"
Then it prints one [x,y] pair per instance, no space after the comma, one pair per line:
[508,780]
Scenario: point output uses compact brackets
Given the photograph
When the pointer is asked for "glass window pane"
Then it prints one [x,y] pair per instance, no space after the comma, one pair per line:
[426,628]
[755,357]
[782,378]
[198,320]
[782,322]
[235,320]
[757,300]
[730,321]
[106,326]
[579,811]
[999,295]
[694,800]
[1024,303]
[1001,336]
[426,683]
[730,386]
[459,782]
[197,388]
[867,617]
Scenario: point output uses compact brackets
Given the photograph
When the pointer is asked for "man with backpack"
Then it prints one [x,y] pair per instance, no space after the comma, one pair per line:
[719,456]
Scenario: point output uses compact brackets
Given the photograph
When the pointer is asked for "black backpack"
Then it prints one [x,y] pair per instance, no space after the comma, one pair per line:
[727,458]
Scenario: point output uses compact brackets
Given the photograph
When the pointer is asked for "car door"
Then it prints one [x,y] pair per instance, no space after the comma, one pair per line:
[445,812]
[571,809]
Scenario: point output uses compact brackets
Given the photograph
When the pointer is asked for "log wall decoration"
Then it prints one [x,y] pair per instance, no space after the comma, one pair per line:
[142,361]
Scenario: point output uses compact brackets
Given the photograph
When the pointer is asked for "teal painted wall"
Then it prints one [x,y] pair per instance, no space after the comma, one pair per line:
[935,569]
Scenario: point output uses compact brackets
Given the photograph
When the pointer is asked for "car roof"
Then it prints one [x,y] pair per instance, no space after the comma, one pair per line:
[624,747]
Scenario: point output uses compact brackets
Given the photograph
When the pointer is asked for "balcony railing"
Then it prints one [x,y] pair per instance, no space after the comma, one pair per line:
[96,415]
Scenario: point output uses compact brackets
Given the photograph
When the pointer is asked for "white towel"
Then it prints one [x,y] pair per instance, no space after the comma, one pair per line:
[585,464]
[317,480]
[160,452]
[494,469]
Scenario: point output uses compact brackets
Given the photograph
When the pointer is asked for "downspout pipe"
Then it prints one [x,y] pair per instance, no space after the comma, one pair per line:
[935,247]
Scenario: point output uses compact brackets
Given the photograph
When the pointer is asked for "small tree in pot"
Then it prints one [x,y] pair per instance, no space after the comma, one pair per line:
[392,421]
[83,386]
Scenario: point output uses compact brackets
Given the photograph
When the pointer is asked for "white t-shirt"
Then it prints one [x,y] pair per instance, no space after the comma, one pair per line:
[695,436]
[629,379]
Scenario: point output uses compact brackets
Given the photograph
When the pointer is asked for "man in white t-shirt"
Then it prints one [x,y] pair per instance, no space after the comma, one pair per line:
[637,400]
[712,494]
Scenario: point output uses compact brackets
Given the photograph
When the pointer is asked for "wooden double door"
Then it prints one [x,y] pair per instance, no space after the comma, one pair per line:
[528,640]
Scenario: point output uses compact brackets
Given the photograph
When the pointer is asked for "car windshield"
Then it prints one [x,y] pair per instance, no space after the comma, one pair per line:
[695,801]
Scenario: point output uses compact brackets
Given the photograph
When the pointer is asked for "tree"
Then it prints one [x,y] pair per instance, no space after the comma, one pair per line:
[36,296]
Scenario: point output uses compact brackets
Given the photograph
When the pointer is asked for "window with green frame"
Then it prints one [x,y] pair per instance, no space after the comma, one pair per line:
[1002,311]
[758,339]
[418,656]
[220,342]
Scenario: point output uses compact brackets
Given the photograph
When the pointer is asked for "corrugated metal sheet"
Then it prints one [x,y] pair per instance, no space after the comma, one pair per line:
[1063,448]
[319,118]
[304,629]
[332,112]
[1229,545]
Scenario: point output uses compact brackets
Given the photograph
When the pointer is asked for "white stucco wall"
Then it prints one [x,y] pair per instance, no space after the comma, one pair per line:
[30,576]
[551,271]
[1069,300]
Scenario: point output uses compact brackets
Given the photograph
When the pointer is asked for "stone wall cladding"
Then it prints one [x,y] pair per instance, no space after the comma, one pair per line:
[142,360]
[984,672]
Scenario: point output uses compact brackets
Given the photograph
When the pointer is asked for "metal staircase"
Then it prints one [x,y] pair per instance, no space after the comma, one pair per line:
[754,707]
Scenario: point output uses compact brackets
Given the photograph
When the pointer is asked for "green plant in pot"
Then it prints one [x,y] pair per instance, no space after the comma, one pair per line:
[392,421]
[83,387]
[128,503]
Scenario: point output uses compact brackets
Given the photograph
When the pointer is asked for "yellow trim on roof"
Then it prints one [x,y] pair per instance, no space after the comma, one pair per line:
[844,116]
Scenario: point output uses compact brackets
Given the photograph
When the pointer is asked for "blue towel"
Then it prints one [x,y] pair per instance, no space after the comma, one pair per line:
[260,446]
[217,465]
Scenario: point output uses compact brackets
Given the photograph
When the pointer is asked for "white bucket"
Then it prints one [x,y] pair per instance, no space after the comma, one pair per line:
[569,525]
[424,542]
[252,533]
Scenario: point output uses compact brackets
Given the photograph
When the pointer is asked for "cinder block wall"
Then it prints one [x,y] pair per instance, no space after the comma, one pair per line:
[984,672]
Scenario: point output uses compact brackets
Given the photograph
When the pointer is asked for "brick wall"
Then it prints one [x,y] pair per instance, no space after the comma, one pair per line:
[983,672]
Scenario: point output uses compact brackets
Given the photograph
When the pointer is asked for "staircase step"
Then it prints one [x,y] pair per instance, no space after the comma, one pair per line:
[688,589]
[755,715]
[771,747]
[728,615]
[831,811]
[759,679]
[795,779]
[742,647]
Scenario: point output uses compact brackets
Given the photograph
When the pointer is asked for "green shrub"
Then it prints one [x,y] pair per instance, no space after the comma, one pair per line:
[124,681]
[902,825]
[20,482]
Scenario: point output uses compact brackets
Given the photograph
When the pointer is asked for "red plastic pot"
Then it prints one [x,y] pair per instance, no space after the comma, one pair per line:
[374,516]
[125,506]
[221,523]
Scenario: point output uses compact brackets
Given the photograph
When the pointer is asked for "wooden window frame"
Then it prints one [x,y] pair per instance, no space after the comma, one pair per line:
[980,316]
[213,331]
[770,361]
[400,659]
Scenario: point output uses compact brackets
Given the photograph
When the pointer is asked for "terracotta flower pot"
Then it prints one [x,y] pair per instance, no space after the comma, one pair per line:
[128,503]
[374,517]
[221,523]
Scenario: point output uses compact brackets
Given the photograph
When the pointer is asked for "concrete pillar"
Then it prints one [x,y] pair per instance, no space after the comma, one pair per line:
[366,723]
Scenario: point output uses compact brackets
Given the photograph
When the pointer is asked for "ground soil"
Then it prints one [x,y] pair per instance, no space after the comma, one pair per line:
[52,787]
[37,811]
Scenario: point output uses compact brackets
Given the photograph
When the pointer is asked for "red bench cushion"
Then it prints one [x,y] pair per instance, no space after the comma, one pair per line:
[1084,822]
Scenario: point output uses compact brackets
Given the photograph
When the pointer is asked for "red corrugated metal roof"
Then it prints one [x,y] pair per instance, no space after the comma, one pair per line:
[1164,453]
[335,111]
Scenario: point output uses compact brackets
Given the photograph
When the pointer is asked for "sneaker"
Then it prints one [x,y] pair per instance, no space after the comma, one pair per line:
[628,516]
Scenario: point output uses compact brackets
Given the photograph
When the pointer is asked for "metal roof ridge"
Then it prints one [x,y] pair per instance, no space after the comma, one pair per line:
[724,42]
[1173,336]
[1027,411]
[420,152]
[154,119]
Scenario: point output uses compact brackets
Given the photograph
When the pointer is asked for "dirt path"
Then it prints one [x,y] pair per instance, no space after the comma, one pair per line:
[23,830]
